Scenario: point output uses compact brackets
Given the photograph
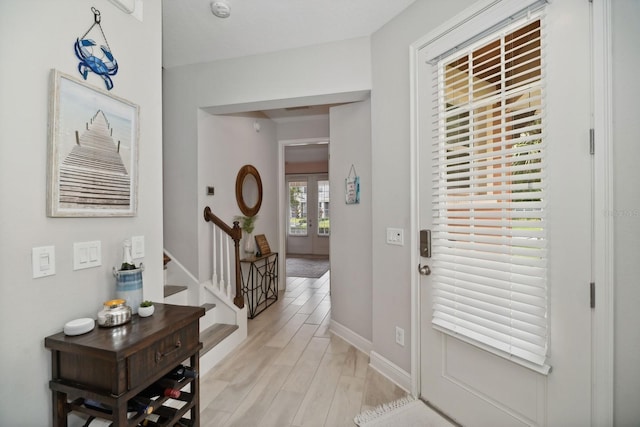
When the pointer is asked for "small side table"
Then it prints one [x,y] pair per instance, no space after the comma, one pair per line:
[113,365]
[259,282]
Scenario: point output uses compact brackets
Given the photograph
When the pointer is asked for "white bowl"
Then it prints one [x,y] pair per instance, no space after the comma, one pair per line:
[79,326]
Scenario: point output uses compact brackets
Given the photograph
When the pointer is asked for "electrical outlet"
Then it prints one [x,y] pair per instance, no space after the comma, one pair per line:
[399,336]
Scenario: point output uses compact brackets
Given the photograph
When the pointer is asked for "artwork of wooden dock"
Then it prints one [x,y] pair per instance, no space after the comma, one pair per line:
[93,174]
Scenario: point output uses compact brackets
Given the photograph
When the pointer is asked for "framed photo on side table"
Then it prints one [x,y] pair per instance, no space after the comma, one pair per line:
[263,245]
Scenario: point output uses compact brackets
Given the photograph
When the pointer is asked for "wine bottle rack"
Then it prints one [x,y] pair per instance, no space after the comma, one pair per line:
[111,366]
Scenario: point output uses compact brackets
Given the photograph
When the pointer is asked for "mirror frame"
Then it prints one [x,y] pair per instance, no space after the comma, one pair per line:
[245,171]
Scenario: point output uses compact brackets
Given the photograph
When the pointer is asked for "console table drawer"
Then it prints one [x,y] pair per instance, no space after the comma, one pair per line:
[163,354]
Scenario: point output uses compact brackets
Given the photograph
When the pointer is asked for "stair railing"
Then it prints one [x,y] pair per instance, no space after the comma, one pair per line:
[221,243]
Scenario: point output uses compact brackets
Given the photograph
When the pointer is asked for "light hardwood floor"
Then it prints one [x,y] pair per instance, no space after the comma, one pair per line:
[291,371]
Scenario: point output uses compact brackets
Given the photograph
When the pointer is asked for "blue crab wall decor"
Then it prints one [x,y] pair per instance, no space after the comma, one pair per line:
[99,60]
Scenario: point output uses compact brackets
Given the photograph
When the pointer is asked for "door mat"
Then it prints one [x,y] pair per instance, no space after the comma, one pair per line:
[405,412]
[307,267]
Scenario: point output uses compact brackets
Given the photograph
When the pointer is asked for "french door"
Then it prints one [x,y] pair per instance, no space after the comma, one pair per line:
[309,214]
[504,184]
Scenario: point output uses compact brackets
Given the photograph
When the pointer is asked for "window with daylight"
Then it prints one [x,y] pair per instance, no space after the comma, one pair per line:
[298,208]
[323,208]
[489,237]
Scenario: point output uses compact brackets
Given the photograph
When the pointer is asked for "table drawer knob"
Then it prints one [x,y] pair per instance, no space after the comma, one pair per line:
[160,356]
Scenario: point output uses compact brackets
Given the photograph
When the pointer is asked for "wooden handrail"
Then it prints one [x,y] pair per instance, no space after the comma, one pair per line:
[235,233]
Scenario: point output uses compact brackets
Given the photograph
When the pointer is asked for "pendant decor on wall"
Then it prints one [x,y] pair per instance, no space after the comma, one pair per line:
[99,60]
[352,187]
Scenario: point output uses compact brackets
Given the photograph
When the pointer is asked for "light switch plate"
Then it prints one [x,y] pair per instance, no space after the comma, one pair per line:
[43,260]
[395,236]
[137,247]
[87,254]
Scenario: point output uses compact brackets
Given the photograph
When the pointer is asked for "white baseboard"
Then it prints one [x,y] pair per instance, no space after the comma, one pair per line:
[385,367]
[390,370]
[362,344]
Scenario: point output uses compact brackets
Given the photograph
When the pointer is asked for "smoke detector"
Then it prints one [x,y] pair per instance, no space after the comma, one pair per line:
[221,9]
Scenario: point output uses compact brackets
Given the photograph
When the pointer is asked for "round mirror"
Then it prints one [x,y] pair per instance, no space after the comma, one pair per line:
[249,190]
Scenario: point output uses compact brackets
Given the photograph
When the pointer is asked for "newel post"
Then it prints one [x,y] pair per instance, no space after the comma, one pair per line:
[238,300]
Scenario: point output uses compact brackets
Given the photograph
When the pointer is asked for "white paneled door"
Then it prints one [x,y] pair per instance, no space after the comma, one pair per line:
[502,118]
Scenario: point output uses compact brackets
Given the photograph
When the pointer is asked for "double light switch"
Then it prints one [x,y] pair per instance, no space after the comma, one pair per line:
[87,254]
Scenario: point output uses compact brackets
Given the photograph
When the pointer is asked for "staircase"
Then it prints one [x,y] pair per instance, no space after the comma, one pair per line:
[222,328]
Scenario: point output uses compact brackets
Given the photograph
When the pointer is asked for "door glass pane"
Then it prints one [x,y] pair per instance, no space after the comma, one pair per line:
[298,208]
[323,208]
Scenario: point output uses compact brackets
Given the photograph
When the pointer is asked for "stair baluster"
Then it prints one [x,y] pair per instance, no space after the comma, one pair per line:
[235,233]
[214,276]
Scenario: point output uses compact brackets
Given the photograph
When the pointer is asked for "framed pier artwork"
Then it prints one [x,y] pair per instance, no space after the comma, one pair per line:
[92,151]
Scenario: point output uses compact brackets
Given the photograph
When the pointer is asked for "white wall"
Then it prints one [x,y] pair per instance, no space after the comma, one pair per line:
[391,192]
[326,73]
[36,36]
[312,127]
[180,177]
[350,251]
[225,144]
[626,151]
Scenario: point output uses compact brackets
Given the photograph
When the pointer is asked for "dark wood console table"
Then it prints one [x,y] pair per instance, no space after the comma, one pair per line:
[113,365]
[260,282]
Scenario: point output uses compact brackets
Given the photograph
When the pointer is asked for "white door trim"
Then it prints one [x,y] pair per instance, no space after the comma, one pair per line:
[603,257]
[283,204]
[416,374]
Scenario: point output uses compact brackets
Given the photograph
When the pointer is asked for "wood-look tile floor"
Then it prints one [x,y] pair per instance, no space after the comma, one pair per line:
[291,371]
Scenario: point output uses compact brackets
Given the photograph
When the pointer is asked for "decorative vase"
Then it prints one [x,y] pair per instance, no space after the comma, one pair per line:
[129,286]
[146,311]
[249,244]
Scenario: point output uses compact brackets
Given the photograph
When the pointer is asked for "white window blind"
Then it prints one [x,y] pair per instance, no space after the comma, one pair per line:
[489,237]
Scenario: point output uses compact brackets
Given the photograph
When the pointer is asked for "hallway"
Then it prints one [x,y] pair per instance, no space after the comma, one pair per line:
[291,371]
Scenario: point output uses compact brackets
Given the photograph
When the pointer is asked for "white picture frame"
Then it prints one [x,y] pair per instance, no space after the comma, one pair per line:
[92,151]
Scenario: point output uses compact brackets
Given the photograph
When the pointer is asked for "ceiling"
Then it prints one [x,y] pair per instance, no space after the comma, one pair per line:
[293,113]
[192,34]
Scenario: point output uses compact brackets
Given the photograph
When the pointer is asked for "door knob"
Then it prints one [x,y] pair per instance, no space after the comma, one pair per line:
[424,269]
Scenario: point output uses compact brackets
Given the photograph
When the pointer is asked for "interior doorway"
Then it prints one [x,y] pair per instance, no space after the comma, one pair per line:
[304,205]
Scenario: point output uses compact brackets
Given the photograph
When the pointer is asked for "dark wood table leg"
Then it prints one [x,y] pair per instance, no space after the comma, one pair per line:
[59,409]
[195,389]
